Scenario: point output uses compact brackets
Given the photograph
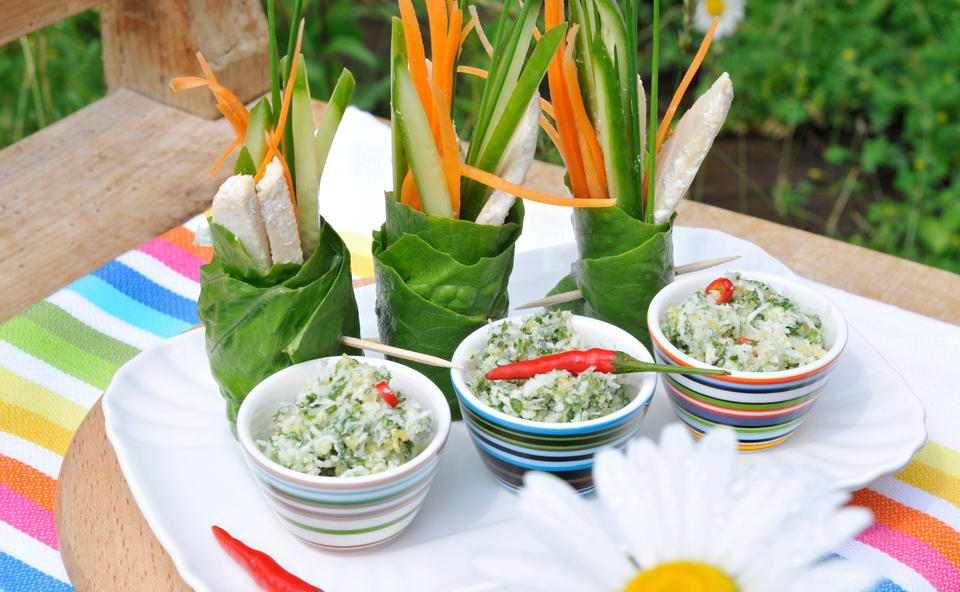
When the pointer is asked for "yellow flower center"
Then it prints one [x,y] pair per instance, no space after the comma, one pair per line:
[681,576]
[715,7]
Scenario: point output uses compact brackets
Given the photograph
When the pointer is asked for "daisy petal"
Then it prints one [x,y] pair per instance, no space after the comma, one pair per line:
[624,496]
[567,525]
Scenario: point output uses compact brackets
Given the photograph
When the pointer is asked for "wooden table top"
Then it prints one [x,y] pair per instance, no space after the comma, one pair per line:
[52,233]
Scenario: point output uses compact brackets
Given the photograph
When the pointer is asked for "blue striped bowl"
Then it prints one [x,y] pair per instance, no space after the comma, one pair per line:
[510,446]
[765,408]
[342,514]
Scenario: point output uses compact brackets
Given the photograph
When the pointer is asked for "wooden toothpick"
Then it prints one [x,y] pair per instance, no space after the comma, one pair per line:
[397,352]
[572,295]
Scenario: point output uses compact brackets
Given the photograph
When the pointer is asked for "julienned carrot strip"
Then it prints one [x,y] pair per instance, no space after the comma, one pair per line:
[468,27]
[187,82]
[205,67]
[551,131]
[473,71]
[491,180]
[481,73]
[236,142]
[685,83]
[274,139]
[229,116]
[487,47]
[589,144]
[547,108]
[450,152]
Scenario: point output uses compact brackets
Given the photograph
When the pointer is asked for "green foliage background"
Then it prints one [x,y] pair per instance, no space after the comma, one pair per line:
[870,86]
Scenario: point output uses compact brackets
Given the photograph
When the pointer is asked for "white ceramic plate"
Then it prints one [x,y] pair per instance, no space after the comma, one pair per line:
[165,419]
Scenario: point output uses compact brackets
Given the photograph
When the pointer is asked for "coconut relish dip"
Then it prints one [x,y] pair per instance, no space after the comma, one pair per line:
[340,425]
[556,396]
[752,329]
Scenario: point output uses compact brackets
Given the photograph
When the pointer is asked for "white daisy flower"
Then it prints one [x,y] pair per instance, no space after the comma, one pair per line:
[729,11]
[684,517]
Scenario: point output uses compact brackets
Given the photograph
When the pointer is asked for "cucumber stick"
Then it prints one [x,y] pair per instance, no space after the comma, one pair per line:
[418,144]
[398,51]
[305,154]
[332,116]
[256,138]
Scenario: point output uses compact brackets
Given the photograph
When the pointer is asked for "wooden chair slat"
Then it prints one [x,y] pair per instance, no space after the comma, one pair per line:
[22,17]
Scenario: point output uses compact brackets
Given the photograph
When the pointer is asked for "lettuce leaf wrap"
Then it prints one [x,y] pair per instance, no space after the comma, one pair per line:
[439,279]
[259,323]
[623,263]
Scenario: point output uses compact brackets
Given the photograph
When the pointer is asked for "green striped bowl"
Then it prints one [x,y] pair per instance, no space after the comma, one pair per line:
[342,514]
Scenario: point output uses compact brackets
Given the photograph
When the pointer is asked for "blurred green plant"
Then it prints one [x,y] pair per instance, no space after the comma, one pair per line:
[874,85]
[48,75]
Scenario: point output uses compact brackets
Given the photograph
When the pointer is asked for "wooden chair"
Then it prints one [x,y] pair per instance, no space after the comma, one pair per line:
[133,164]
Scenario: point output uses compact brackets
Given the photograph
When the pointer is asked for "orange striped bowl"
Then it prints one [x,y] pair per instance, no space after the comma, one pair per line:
[764,408]
[342,514]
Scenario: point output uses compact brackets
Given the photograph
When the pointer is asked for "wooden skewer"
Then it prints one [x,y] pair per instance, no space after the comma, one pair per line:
[572,295]
[406,354]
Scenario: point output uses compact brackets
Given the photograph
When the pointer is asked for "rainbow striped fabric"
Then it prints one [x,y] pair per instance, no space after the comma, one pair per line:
[58,356]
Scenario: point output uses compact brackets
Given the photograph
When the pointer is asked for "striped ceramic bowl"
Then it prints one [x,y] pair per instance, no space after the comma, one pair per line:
[343,514]
[764,408]
[510,446]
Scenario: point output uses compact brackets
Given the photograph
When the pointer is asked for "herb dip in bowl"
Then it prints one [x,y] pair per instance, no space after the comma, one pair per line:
[501,419]
[787,335]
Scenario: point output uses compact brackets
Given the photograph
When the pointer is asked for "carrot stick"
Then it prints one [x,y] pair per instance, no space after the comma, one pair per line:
[417,60]
[589,144]
[437,20]
[450,152]
[687,78]
[408,193]
[491,180]
[552,14]
[569,144]
[452,53]
[487,47]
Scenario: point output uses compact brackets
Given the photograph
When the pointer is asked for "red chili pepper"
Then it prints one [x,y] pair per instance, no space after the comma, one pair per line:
[602,360]
[386,394]
[266,572]
[723,288]
[747,340]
